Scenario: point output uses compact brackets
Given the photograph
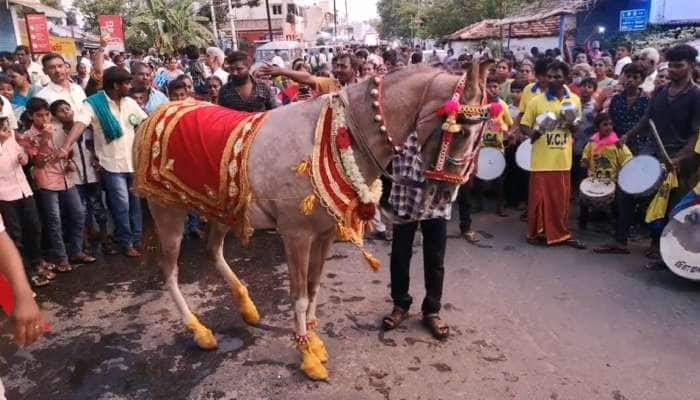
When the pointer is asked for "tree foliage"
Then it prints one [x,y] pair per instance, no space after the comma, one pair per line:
[437,18]
[167,25]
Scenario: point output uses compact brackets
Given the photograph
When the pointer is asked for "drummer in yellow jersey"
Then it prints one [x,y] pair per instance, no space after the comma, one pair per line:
[495,131]
[604,158]
[550,179]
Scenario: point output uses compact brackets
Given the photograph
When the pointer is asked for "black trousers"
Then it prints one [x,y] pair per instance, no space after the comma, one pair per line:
[465,209]
[434,242]
[22,223]
[624,209]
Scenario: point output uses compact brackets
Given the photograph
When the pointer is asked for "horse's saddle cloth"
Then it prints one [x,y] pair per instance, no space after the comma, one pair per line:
[194,154]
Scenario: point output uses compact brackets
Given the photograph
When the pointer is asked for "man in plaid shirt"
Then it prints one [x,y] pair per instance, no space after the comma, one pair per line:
[411,203]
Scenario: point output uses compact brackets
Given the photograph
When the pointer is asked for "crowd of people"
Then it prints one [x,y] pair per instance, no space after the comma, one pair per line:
[66,164]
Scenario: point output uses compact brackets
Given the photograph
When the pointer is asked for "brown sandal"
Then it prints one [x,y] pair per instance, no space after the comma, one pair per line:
[436,326]
[393,320]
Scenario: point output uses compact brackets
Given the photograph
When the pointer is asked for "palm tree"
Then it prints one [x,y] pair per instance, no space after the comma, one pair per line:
[171,24]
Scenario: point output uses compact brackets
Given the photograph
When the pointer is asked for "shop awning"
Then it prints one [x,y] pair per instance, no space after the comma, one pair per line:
[40,8]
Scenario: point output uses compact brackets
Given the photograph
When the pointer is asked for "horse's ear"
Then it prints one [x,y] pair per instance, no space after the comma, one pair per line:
[482,70]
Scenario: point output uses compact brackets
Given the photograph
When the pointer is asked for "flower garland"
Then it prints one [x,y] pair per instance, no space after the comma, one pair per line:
[369,195]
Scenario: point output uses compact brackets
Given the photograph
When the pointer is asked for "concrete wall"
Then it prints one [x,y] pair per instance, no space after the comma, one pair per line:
[521,47]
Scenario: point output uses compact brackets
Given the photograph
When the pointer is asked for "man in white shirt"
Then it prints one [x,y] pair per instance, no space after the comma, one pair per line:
[60,87]
[319,59]
[114,150]
[36,74]
[624,51]
[277,60]
[215,59]
[650,58]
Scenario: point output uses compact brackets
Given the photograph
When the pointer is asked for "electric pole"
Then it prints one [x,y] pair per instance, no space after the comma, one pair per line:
[269,21]
[335,22]
[213,23]
[234,39]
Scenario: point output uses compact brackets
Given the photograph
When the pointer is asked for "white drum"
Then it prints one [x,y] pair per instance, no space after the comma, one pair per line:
[491,164]
[641,176]
[597,192]
[680,243]
[523,155]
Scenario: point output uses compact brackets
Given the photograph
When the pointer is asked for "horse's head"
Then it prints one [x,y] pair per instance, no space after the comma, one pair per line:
[387,110]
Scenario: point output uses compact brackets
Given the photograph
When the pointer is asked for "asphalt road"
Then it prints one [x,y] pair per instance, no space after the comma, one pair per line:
[527,323]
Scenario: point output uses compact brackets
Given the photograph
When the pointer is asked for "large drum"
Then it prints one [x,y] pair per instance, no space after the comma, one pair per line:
[523,156]
[598,193]
[641,176]
[491,164]
[680,243]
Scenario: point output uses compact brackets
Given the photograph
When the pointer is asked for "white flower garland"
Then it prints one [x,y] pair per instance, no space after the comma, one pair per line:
[367,194]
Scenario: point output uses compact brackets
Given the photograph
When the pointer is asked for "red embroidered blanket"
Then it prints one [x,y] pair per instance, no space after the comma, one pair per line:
[194,154]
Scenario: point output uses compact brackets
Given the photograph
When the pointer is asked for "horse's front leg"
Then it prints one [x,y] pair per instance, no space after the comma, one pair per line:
[319,251]
[170,223]
[215,250]
[297,247]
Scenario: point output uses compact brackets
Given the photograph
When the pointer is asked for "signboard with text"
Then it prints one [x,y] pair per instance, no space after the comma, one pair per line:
[112,31]
[38,33]
[633,20]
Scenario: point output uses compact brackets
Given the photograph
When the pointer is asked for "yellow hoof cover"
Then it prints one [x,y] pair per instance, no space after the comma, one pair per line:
[317,347]
[203,336]
[311,365]
[249,312]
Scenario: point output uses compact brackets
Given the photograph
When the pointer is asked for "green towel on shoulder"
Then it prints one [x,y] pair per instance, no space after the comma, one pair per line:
[110,126]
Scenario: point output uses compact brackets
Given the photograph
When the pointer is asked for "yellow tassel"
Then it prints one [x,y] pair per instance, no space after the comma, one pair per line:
[343,233]
[371,260]
[303,168]
[307,205]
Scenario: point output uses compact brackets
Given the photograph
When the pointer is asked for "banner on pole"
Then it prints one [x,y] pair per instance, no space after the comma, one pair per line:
[112,31]
[38,33]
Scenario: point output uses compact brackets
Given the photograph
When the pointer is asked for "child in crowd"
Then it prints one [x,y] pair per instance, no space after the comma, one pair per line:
[603,158]
[140,95]
[516,92]
[58,195]
[8,92]
[87,180]
[178,91]
[587,88]
[495,130]
[214,84]
[18,207]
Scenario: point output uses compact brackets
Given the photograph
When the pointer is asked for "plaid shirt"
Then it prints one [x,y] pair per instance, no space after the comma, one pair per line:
[261,98]
[407,192]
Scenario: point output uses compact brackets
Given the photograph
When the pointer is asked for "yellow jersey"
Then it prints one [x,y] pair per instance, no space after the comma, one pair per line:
[553,150]
[529,93]
[608,163]
[496,128]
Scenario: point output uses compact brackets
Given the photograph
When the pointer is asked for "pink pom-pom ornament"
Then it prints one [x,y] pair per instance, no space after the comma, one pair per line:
[450,107]
[495,109]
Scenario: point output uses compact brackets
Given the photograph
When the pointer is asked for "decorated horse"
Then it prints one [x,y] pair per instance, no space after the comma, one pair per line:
[309,170]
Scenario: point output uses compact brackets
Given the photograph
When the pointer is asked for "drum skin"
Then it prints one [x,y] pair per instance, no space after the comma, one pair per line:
[680,243]
[598,193]
[641,176]
[523,156]
[491,164]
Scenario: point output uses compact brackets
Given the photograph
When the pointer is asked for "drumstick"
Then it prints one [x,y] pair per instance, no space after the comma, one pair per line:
[659,143]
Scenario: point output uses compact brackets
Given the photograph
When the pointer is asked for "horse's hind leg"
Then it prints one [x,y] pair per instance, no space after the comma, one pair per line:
[317,258]
[170,223]
[297,247]
[215,250]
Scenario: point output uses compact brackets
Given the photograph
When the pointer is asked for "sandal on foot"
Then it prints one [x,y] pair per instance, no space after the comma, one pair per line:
[393,320]
[611,249]
[436,326]
[575,244]
[63,267]
[45,272]
[39,281]
[471,237]
[82,258]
